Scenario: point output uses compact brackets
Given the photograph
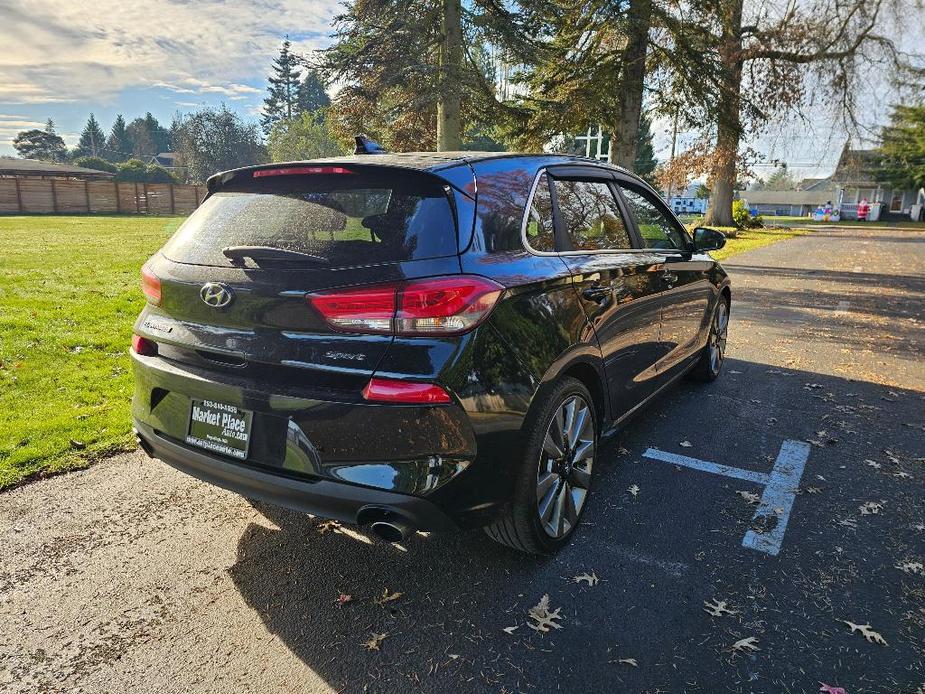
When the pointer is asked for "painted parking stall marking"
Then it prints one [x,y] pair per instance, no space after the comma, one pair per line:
[780,489]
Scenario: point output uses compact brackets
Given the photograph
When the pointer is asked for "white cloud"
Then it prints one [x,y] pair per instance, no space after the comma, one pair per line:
[57,51]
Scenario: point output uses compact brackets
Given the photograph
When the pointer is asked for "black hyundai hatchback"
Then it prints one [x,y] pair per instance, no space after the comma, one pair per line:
[420,341]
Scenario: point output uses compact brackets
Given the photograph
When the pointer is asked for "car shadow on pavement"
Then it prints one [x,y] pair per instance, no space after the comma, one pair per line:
[460,623]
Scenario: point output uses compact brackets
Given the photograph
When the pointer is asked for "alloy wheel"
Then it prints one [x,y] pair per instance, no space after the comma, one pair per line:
[564,473]
[718,333]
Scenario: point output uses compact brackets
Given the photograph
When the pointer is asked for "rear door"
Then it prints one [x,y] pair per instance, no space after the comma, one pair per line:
[681,279]
[611,278]
[268,238]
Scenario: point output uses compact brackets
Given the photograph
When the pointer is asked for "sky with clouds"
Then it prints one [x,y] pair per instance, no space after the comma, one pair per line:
[64,59]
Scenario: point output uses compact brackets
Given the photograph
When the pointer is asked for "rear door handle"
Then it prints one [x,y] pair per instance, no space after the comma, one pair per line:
[596,294]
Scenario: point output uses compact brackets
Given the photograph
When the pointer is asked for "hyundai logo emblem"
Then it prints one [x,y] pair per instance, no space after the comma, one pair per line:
[216,295]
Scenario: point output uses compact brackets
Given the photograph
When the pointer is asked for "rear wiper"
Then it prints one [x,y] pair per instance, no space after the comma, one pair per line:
[258,253]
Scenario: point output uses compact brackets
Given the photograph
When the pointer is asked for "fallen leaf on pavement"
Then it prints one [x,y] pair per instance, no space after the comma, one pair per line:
[330,525]
[829,689]
[344,598]
[634,490]
[746,644]
[902,474]
[750,497]
[591,579]
[870,508]
[866,631]
[627,661]
[686,444]
[813,490]
[717,608]
[387,597]
[511,630]
[374,642]
[873,463]
[542,616]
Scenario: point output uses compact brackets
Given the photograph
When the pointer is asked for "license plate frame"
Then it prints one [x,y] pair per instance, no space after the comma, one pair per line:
[220,427]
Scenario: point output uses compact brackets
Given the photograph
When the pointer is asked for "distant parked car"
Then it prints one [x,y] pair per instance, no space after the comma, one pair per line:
[420,341]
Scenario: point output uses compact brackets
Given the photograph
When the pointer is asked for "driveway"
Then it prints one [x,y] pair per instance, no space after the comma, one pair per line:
[788,495]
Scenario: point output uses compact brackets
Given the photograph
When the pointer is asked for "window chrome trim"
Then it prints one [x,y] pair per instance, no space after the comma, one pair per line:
[604,251]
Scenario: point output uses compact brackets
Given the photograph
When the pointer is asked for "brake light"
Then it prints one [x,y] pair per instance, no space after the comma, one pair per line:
[150,286]
[434,306]
[389,390]
[144,346]
[299,170]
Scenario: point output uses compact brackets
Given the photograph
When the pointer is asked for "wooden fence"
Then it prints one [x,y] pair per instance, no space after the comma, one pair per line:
[69,196]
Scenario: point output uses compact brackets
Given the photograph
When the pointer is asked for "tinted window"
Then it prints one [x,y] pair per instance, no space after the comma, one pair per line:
[590,216]
[348,219]
[656,229]
[540,230]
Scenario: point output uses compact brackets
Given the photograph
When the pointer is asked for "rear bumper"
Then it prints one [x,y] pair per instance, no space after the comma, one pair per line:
[337,500]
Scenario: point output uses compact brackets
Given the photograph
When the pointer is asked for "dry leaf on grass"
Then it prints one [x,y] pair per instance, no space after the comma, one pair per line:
[829,689]
[387,597]
[344,598]
[633,489]
[871,508]
[873,463]
[375,640]
[902,474]
[866,631]
[717,608]
[543,617]
[511,630]
[591,579]
[912,567]
[746,644]
[750,497]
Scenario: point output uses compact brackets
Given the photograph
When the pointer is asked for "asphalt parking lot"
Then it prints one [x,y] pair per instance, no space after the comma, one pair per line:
[795,511]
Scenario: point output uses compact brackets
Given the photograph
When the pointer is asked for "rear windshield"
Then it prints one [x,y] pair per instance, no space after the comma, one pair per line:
[346,219]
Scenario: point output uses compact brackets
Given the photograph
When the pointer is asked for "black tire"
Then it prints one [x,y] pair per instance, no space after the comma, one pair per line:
[521,527]
[710,364]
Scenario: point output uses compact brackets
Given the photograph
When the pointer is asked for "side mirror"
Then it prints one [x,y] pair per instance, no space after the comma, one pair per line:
[707,239]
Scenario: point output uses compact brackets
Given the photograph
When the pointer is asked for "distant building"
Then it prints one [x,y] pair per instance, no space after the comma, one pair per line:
[857,178]
[171,162]
[787,203]
[11,167]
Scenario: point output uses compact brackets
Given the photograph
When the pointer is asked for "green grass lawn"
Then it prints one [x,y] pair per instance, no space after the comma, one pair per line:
[69,294]
[749,239]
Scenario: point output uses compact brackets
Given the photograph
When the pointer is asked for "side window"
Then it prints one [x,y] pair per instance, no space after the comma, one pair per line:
[590,216]
[540,231]
[656,229]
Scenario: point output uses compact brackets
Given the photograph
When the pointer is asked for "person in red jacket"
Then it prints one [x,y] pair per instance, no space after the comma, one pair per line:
[863,210]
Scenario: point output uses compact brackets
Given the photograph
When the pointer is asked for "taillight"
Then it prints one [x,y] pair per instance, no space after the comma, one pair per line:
[434,306]
[144,346]
[389,390]
[150,286]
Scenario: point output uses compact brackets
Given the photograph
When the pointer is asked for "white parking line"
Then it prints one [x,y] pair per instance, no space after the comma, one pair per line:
[780,488]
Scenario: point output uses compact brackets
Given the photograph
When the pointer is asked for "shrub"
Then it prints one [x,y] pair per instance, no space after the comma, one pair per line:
[95,163]
[742,217]
[136,171]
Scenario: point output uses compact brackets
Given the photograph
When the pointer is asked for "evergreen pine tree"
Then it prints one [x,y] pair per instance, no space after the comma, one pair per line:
[310,94]
[282,98]
[92,139]
[645,162]
[119,144]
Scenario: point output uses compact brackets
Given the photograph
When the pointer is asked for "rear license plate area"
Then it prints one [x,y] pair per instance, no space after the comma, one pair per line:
[220,428]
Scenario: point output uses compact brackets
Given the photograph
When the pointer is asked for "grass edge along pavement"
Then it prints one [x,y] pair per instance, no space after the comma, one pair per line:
[68,299]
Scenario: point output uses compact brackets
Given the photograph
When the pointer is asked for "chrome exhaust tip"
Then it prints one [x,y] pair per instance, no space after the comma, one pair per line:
[391,530]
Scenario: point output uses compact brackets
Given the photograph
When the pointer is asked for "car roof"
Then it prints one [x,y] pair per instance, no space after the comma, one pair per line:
[428,161]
